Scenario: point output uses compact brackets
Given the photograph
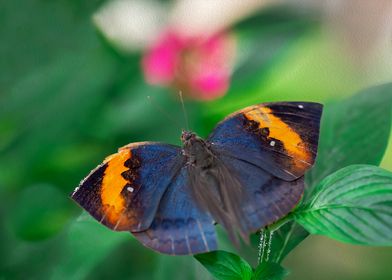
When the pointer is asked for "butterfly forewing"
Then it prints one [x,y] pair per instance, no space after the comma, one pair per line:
[124,191]
[281,138]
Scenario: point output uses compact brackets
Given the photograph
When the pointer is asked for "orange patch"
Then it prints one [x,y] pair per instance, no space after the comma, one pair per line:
[292,142]
[112,185]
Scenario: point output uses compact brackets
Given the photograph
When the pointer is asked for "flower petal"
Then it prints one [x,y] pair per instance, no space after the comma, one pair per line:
[130,24]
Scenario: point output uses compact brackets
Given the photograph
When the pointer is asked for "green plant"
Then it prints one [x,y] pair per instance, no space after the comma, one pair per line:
[348,198]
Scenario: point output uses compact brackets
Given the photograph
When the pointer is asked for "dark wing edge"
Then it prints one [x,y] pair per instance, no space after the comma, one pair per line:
[281,137]
[123,192]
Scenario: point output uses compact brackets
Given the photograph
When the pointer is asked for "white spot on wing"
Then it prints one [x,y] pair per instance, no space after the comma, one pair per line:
[130,189]
[272,143]
[301,106]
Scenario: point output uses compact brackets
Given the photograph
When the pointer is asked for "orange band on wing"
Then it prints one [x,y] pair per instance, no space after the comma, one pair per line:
[278,129]
[112,185]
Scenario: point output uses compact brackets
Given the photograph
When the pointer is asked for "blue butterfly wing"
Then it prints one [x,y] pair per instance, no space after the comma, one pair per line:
[180,227]
[280,138]
[124,192]
[264,150]
[265,198]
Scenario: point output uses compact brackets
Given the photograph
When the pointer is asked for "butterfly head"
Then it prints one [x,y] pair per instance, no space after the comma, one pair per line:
[188,137]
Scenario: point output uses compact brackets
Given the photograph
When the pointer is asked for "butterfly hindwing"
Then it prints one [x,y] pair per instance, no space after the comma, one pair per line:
[266,198]
[281,138]
[124,191]
[180,227]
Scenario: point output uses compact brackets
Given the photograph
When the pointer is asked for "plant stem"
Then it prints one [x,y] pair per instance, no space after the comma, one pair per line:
[275,226]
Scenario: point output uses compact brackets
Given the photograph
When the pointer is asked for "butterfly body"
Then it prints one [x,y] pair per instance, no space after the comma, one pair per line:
[247,174]
[196,150]
[204,169]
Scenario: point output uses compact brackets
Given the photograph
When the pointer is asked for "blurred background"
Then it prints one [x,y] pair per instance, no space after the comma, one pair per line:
[73,88]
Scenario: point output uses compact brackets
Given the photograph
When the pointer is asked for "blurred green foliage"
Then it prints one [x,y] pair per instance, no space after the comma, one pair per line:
[68,99]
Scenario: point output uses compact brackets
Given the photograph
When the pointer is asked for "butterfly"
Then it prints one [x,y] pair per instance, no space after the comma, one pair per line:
[246,175]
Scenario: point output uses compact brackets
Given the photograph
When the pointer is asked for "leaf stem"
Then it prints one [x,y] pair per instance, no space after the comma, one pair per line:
[275,226]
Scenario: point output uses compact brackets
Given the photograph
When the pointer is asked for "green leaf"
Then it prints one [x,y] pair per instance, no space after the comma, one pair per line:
[225,266]
[354,131]
[269,271]
[353,205]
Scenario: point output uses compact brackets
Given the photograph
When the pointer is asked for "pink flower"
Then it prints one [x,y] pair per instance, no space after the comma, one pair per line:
[199,66]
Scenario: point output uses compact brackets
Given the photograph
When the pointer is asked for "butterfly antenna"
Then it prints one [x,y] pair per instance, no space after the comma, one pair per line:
[163,112]
[183,110]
